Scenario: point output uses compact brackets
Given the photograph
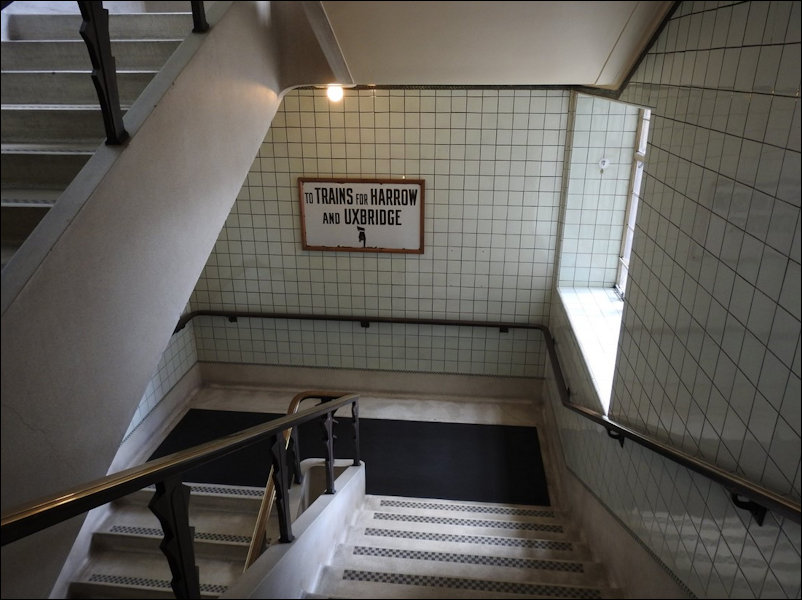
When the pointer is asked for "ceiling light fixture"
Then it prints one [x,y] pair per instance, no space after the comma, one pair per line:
[335,92]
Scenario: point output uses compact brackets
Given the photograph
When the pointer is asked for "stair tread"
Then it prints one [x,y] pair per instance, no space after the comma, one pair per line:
[45,148]
[467,525]
[102,585]
[134,563]
[481,563]
[354,583]
[53,107]
[450,542]
[32,197]
[464,510]
[208,521]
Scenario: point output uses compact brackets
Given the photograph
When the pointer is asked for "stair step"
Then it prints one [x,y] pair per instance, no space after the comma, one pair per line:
[457,509]
[359,583]
[125,538]
[103,585]
[39,198]
[52,124]
[135,566]
[513,547]
[44,169]
[46,55]
[471,526]
[67,87]
[480,563]
[208,496]
[121,26]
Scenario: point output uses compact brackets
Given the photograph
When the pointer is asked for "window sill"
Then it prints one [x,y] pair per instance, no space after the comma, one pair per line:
[595,317]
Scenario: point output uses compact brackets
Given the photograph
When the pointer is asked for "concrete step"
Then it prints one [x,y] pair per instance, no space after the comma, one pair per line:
[72,55]
[469,525]
[363,583]
[121,26]
[208,496]
[450,541]
[29,197]
[145,575]
[482,563]
[41,166]
[215,545]
[52,124]
[457,509]
[67,87]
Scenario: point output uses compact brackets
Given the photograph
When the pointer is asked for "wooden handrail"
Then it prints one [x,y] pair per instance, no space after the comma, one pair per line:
[259,539]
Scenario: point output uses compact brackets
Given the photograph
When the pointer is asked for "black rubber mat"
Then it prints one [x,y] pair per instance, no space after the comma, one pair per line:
[452,461]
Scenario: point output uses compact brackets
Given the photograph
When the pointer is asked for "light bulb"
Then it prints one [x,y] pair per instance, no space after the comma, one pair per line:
[335,92]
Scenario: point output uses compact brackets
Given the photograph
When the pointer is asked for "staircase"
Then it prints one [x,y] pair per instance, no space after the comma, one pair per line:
[125,560]
[51,119]
[418,548]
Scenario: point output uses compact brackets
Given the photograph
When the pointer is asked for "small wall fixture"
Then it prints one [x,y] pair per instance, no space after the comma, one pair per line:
[334,92]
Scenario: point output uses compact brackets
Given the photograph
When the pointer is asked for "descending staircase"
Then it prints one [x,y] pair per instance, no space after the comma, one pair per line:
[125,560]
[417,548]
[51,119]
[395,548]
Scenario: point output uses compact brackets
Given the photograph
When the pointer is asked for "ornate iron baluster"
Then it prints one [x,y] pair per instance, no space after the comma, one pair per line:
[282,484]
[199,22]
[294,456]
[95,33]
[170,504]
[328,439]
[355,420]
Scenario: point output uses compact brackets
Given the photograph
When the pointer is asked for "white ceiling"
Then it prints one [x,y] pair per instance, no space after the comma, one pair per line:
[493,43]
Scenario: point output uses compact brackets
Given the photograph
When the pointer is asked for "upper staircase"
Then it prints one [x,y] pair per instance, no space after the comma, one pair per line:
[51,118]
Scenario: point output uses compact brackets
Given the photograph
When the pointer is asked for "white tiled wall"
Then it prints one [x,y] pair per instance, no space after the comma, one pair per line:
[178,358]
[709,354]
[492,163]
[596,199]
[711,331]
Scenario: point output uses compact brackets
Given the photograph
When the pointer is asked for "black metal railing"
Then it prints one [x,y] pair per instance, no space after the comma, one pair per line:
[744,494]
[170,503]
[95,33]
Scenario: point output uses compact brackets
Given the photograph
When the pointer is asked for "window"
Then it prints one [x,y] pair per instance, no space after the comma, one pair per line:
[632,202]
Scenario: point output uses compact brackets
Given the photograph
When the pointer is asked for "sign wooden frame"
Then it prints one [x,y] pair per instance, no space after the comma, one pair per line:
[356,215]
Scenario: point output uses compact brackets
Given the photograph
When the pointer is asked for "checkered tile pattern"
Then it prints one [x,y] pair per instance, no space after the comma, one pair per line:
[496,510]
[456,583]
[471,539]
[142,582]
[472,559]
[468,522]
[199,535]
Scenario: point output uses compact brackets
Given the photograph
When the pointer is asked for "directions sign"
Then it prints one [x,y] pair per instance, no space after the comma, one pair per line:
[362,215]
